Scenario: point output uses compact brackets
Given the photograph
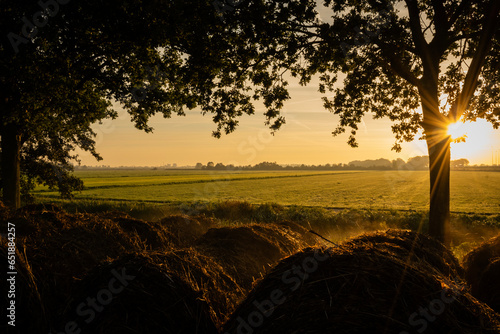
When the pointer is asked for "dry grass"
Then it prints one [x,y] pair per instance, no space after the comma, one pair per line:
[359,288]
[413,248]
[204,270]
[482,271]
[205,276]
[247,252]
[151,299]
[31,314]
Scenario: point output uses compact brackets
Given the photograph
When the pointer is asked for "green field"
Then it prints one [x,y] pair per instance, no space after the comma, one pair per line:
[472,191]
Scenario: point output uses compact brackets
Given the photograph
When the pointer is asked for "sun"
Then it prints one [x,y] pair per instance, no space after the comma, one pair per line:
[458,131]
[470,138]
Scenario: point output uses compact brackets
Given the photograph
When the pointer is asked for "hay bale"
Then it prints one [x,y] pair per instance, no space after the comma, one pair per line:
[349,289]
[185,229]
[482,271]
[418,249]
[247,252]
[206,276]
[152,235]
[62,248]
[135,295]
[4,212]
[477,260]
[30,312]
[488,288]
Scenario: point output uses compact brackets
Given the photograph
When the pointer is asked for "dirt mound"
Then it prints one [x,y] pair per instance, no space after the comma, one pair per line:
[482,271]
[205,276]
[184,229]
[30,312]
[418,249]
[247,252]
[350,289]
[136,295]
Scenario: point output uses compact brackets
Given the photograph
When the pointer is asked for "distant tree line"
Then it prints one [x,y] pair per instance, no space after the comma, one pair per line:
[414,163]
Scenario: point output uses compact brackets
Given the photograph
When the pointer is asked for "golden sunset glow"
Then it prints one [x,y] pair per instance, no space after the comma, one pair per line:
[458,130]
[475,135]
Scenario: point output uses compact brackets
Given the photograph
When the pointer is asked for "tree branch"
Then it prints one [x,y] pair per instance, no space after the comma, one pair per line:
[416,29]
[490,25]
[440,17]
[395,65]
[458,12]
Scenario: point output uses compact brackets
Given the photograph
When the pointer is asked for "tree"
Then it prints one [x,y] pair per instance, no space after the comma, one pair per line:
[459,163]
[393,54]
[395,58]
[416,163]
[62,64]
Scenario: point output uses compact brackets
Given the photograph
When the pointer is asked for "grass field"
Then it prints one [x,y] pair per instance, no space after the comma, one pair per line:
[472,192]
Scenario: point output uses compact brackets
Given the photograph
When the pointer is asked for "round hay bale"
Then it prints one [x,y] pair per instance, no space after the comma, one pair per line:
[477,260]
[151,234]
[206,276]
[247,252]
[185,229]
[488,288]
[418,249]
[28,311]
[301,233]
[348,289]
[135,295]
[63,253]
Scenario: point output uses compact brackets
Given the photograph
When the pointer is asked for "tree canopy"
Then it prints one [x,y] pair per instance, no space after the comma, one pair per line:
[64,63]
[422,64]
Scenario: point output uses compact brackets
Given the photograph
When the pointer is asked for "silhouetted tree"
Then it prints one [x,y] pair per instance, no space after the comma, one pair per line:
[459,163]
[422,64]
[418,163]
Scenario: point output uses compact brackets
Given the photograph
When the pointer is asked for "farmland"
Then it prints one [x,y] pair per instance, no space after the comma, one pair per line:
[472,191]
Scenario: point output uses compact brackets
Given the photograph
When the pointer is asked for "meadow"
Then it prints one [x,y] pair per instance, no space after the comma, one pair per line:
[472,192]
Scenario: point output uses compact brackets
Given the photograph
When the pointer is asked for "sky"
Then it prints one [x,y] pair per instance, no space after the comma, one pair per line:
[306,138]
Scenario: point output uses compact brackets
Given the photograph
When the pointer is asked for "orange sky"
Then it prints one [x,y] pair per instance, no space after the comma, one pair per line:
[306,138]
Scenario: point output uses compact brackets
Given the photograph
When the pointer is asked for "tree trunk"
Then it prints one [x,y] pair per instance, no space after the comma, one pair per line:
[11,154]
[439,168]
[438,145]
